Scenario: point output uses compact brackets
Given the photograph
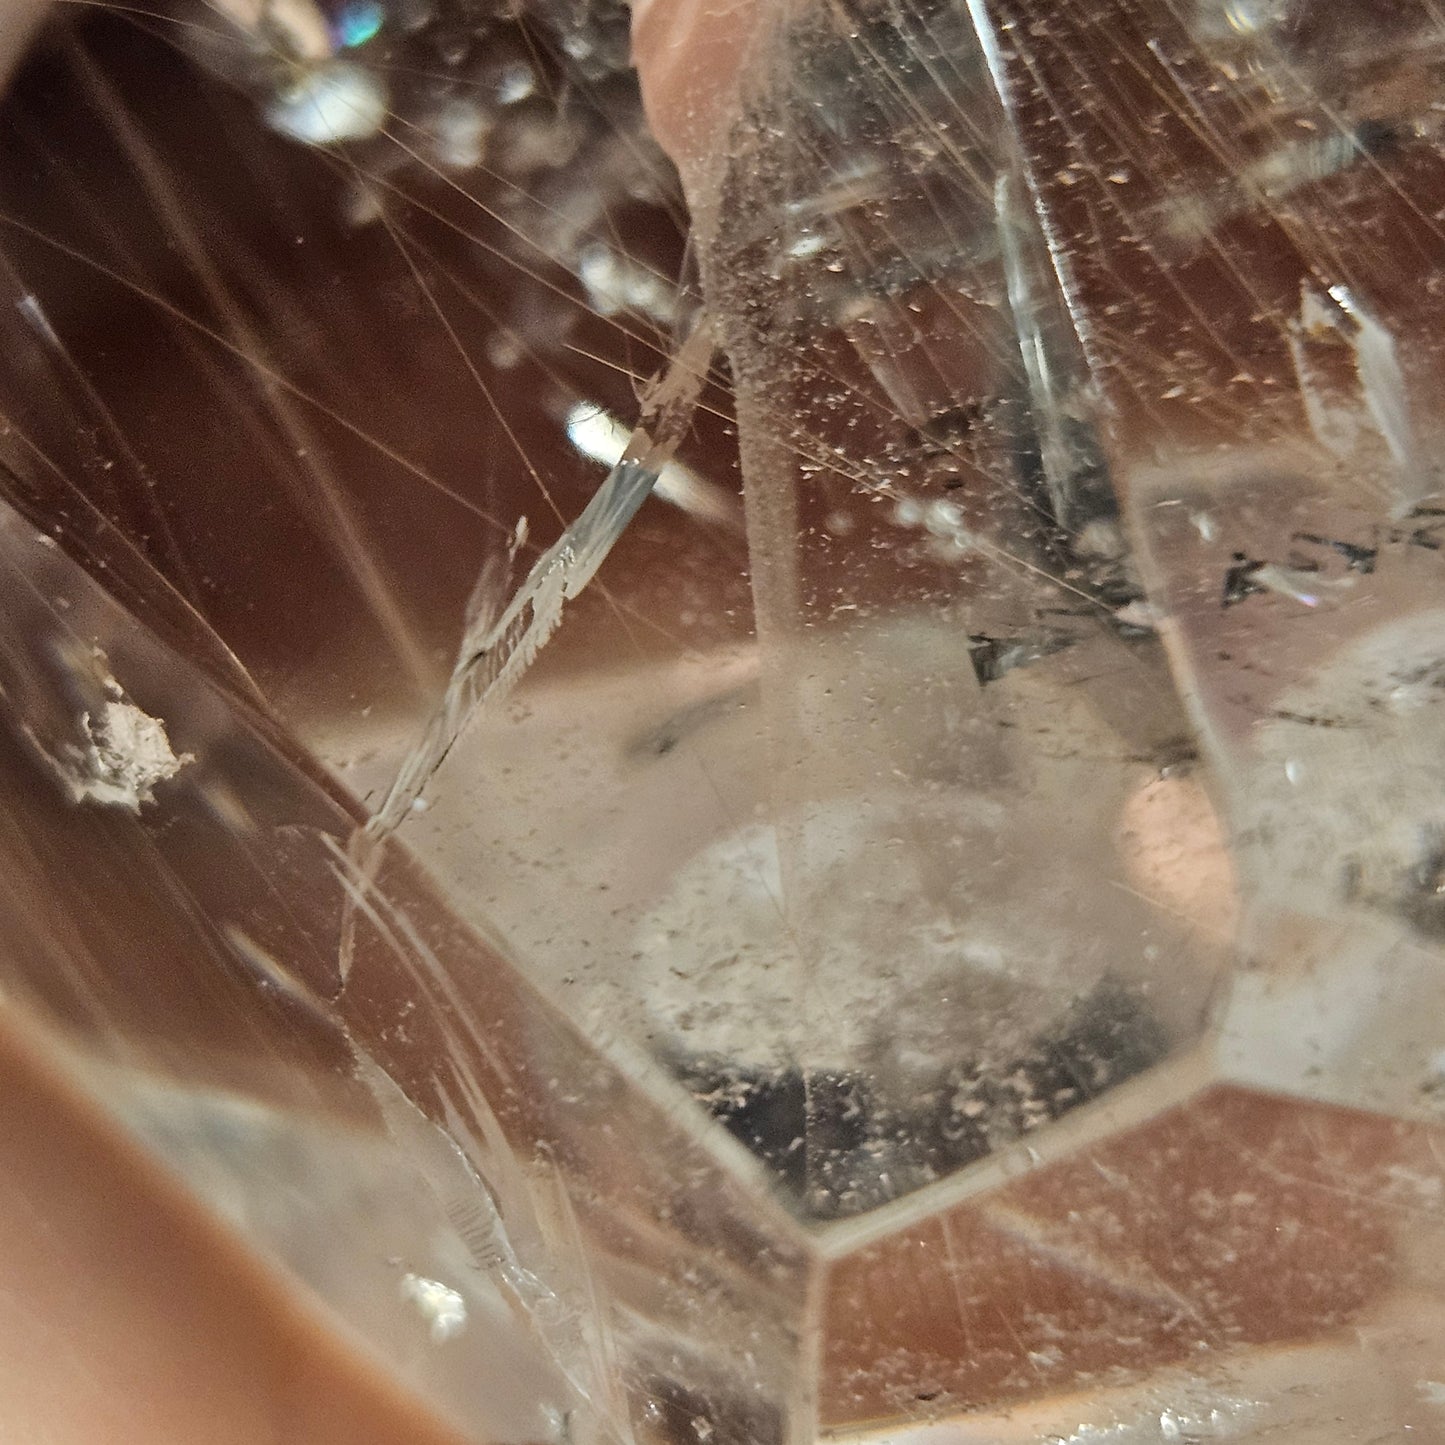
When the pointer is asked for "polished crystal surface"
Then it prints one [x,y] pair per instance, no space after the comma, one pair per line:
[938,939]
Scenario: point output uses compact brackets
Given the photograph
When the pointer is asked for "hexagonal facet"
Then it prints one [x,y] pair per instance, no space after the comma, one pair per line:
[943,948]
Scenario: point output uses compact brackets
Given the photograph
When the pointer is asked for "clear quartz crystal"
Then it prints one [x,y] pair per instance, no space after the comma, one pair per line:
[939,941]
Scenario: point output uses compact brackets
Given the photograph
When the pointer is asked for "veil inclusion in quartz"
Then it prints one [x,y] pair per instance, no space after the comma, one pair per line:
[943,940]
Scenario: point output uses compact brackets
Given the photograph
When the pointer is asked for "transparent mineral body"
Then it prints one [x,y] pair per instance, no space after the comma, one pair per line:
[907,909]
